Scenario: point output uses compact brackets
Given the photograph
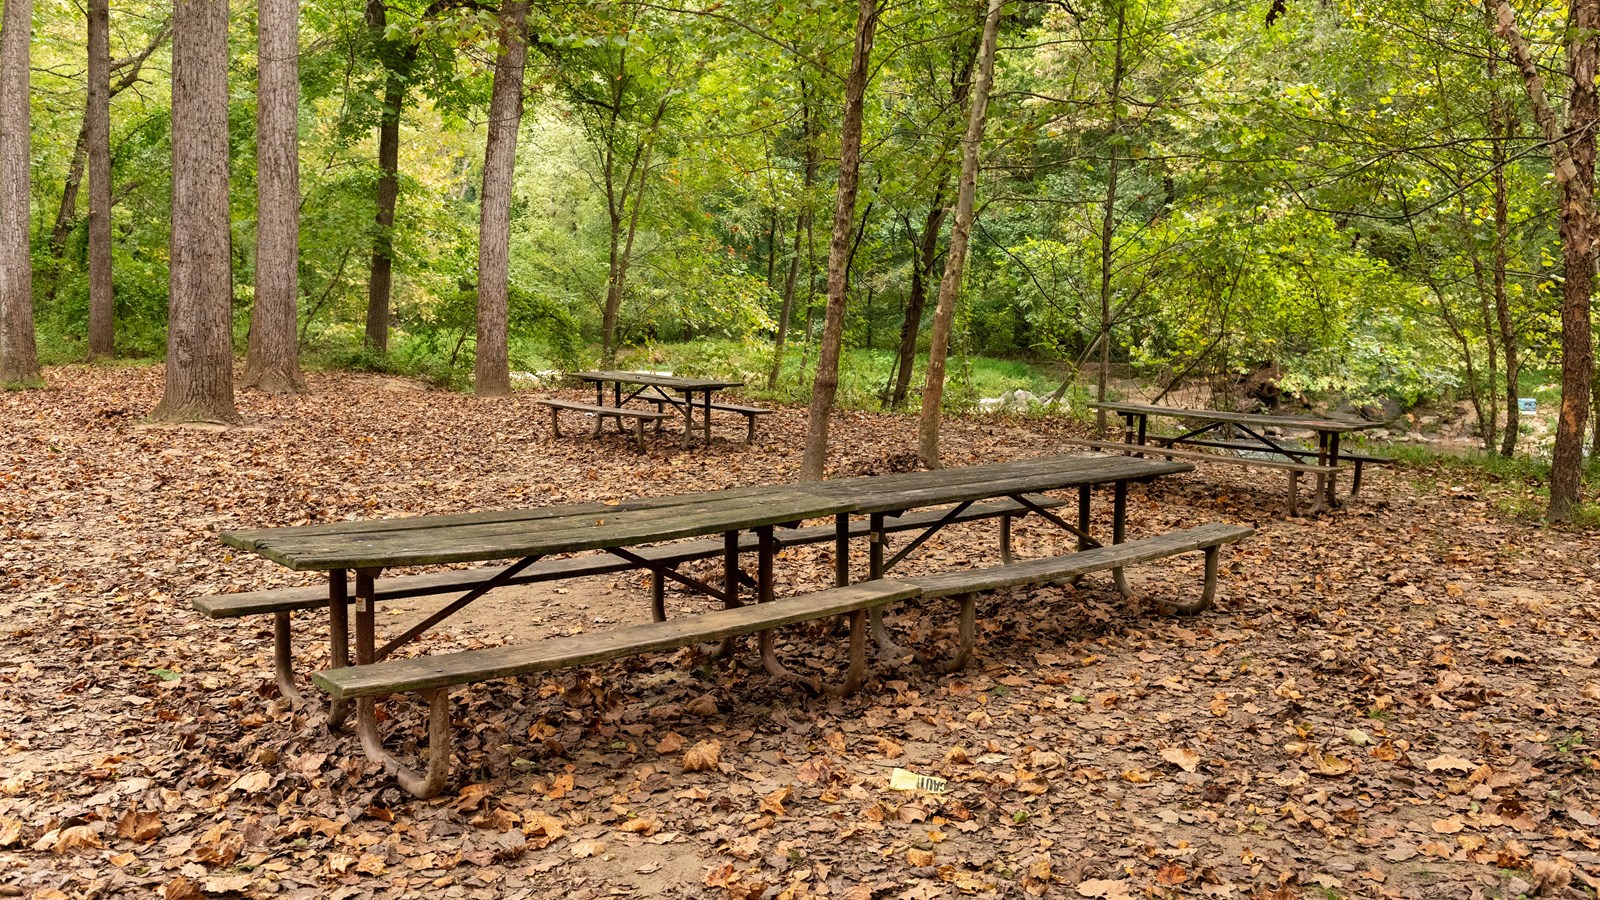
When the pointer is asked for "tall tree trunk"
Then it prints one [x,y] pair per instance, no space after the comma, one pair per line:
[826,384]
[19,355]
[927,253]
[97,123]
[272,362]
[1500,133]
[1573,153]
[931,414]
[493,371]
[397,73]
[802,222]
[199,380]
[1107,227]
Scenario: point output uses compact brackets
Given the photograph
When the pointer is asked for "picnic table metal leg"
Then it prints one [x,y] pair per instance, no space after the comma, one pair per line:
[658,597]
[841,549]
[1333,477]
[855,673]
[1119,529]
[877,539]
[433,781]
[1005,538]
[338,641]
[730,590]
[688,417]
[968,628]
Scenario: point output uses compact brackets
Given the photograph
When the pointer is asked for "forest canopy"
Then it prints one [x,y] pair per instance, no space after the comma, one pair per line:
[1363,199]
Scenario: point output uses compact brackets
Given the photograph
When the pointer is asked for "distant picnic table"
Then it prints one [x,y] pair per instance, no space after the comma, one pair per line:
[658,535]
[1203,427]
[687,396]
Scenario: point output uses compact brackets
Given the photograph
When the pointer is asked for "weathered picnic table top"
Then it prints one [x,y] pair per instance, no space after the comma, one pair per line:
[506,534]
[672,382]
[474,537]
[1307,423]
[910,490]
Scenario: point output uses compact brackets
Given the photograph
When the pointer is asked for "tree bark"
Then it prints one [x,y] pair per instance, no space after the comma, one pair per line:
[492,369]
[397,73]
[826,384]
[19,355]
[802,223]
[1573,155]
[927,253]
[97,124]
[272,362]
[199,378]
[1107,227]
[931,414]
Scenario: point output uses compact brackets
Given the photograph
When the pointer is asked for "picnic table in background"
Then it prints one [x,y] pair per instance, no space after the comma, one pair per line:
[1203,427]
[691,397]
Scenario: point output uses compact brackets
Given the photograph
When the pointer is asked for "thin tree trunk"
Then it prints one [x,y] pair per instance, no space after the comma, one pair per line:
[380,284]
[97,122]
[1107,226]
[1572,152]
[788,303]
[199,378]
[67,212]
[19,355]
[826,384]
[931,415]
[1500,127]
[493,371]
[917,300]
[272,362]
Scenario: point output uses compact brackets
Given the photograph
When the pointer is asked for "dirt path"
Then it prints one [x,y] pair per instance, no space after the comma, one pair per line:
[1393,700]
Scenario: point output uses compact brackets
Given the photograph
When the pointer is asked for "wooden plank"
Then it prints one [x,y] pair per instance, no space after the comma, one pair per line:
[1308,423]
[1083,562]
[1202,456]
[291,599]
[627,412]
[674,382]
[465,667]
[246,539]
[1295,450]
[568,534]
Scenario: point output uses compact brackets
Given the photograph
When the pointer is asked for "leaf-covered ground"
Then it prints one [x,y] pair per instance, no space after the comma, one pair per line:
[1393,700]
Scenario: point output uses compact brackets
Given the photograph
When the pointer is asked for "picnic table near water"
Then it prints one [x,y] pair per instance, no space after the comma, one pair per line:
[658,535]
[1264,446]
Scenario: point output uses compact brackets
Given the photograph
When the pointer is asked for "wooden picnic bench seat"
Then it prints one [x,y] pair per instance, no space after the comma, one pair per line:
[1357,459]
[749,412]
[433,676]
[601,413]
[1293,469]
[966,584]
[280,602]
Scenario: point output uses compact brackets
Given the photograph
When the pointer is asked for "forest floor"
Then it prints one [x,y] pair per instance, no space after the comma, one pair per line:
[1391,700]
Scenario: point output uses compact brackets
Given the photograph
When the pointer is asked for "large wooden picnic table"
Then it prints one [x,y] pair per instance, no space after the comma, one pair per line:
[1200,422]
[621,529]
[661,388]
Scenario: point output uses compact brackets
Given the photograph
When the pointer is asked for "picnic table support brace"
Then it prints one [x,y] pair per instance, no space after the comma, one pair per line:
[455,606]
